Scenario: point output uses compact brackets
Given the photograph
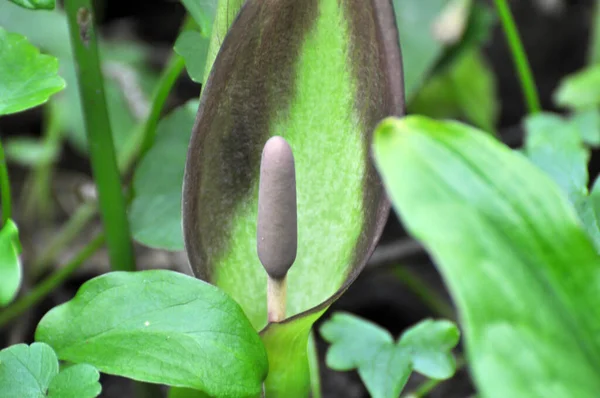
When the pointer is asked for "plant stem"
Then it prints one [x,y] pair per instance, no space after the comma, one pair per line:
[594,49]
[424,292]
[80,17]
[313,366]
[82,216]
[4,187]
[49,284]
[519,57]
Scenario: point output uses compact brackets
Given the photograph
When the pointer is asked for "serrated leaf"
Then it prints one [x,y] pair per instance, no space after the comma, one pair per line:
[193,47]
[159,327]
[33,372]
[77,381]
[36,4]
[385,365]
[580,90]
[28,77]
[10,266]
[155,213]
[505,238]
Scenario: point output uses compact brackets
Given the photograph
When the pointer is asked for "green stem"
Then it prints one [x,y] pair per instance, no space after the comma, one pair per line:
[82,216]
[313,366]
[80,17]
[519,57]
[422,290]
[44,288]
[594,49]
[4,187]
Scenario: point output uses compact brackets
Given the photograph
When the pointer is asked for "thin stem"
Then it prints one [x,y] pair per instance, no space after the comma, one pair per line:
[519,57]
[4,187]
[422,290]
[44,288]
[82,216]
[594,49]
[313,366]
[80,16]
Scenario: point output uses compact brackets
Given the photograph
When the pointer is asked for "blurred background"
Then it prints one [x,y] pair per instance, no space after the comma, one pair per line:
[472,79]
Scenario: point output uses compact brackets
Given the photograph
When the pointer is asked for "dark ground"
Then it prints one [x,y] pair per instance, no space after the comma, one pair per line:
[556,44]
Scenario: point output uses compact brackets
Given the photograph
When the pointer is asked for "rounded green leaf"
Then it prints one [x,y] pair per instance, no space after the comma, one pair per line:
[159,327]
[520,267]
[76,381]
[26,371]
[193,47]
[28,78]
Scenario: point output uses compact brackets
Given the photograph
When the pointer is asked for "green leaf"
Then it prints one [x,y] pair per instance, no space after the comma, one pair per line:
[36,4]
[178,392]
[33,372]
[512,251]
[28,77]
[77,381]
[155,213]
[193,47]
[159,327]
[385,365]
[29,152]
[203,12]
[466,89]
[10,266]
[580,90]
[416,21]
[588,123]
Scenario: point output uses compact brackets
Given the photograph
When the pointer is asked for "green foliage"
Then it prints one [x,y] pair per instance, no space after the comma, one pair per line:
[28,77]
[36,4]
[465,89]
[33,372]
[29,152]
[581,90]
[159,327]
[385,365]
[10,266]
[193,47]
[203,12]
[517,261]
[155,213]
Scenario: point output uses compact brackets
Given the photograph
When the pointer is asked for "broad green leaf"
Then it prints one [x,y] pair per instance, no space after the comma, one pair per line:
[155,213]
[77,381]
[203,12]
[588,122]
[28,77]
[33,372]
[178,392]
[159,327]
[385,365]
[580,90]
[555,145]
[416,21]
[519,265]
[193,47]
[30,152]
[10,265]
[466,89]
[36,4]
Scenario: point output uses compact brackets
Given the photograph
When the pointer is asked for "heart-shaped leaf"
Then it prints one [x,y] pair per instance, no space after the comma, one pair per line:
[385,365]
[28,77]
[159,327]
[10,266]
[521,269]
[33,372]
